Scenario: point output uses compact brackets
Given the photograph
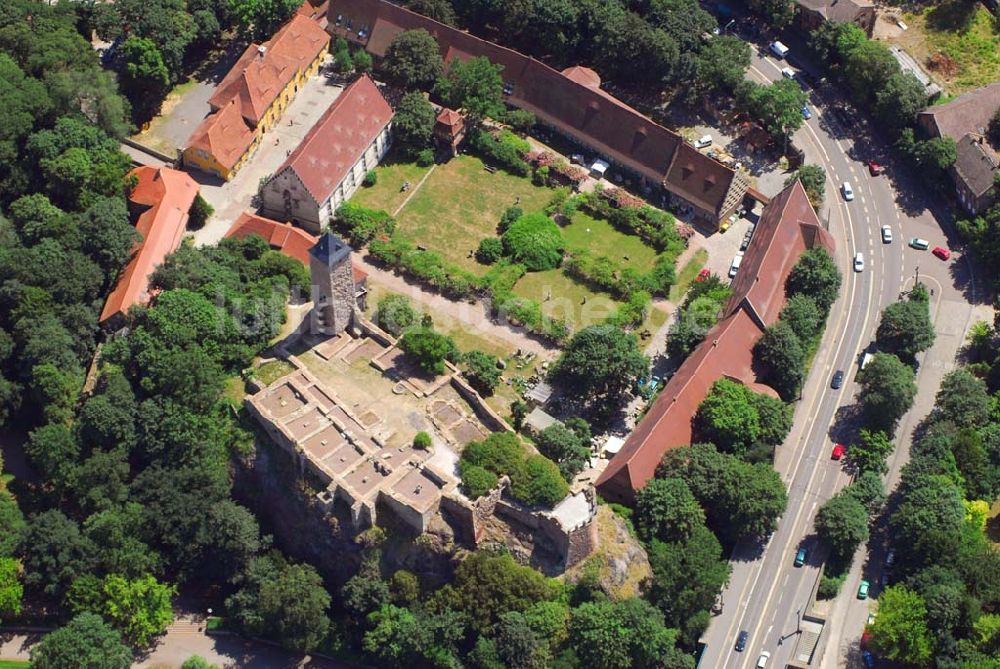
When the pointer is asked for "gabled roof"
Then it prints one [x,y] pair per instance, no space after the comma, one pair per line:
[224,135]
[840,11]
[969,112]
[166,196]
[787,227]
[976,163]
[571,101]
[285,237]
[339,138]
[263,71]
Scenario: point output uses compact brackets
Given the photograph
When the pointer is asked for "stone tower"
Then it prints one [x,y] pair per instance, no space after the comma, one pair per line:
[334,300]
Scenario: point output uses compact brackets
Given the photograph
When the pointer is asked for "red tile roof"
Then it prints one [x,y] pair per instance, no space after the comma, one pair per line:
[787,227]
[263,71]
[284,237]
[969,112]
[571,101]
[339,138]
[165,195]
[224,135]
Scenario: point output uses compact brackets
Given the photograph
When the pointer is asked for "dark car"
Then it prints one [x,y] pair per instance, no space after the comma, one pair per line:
[741,641]
[800,557]
[838,379]
[868,658]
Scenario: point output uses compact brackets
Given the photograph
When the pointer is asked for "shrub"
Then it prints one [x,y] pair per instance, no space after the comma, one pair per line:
[500,453]
[422,441]
[361,224]
[538,482]
[505,149]
[477,481]
[829,586]
[427,348]
[490,250]
[199,212]
[510,215]
[536,241]
[482,372]
[425,157]
[371,178]
[395,314]
[541,177]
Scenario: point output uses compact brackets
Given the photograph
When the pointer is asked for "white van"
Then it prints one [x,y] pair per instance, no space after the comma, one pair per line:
[734,266]
[705,140]
[865,359]
[779,49]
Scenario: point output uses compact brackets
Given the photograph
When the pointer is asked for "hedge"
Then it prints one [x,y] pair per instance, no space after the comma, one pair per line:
[362,224]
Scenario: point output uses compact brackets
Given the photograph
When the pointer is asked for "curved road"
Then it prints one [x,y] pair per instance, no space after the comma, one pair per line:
[767,595]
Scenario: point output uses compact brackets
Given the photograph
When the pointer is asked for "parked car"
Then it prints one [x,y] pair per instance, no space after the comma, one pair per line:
[703,141]
[800,557]
[746,241]
[848,191]
[734,266]
[859,262]
[875,169]
[788,73]
[741,641]
[920,244]
[779,49]
[762,660]
[883,580]
[702,275]
[868,659]
[838,379]
[941,252]
[838,452]
[863,590]
[806,114]
[890,558]
[886,234]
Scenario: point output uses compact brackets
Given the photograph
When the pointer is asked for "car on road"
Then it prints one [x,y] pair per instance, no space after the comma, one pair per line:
[788,73]
[875,169]
[863,590]
[702,275]
[779,49]
[806,114]
[920,244]
[741,640]
[871,618]
[859,262]
[800,557]
[838,379]
[886,234]
[868,659]
[941,252]
[762,660]
[847,191]
[838,452]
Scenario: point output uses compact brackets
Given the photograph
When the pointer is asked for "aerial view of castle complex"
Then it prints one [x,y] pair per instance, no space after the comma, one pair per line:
[488,334]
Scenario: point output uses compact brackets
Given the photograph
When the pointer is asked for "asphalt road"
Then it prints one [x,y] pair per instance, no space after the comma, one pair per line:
[766,594]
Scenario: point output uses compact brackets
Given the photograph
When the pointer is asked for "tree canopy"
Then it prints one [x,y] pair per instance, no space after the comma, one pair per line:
[85,641]
[887,391]
[412,60]
[602,362]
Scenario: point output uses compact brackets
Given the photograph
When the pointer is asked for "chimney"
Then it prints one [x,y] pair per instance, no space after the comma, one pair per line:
[261,50]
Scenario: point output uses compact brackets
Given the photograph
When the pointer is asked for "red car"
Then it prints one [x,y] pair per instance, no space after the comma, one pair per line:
[941,252]
[702,275]
[875,169]
[838,451]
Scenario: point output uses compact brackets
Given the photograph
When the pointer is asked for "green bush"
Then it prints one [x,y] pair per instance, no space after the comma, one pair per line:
[829,586]
[482,372]
[476,480]
[535,241]
[422,441]
[490,250]
[395,313]
[427,348]
[199,212]
[505,149]
[425,157]
[510,215]
[361,224]
[538,482]
[500,453]
[371,178]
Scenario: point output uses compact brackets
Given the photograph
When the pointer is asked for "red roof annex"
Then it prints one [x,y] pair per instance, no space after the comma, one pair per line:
[787,227]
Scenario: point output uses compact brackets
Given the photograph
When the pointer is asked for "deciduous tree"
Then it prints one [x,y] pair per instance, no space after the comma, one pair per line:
[842,523]
[601,362]
[86,641]
[413,122]
[413,61]
[887,391]
[900,632]
[815,275]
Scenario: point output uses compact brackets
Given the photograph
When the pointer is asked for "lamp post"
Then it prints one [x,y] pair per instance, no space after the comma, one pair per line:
[798,622]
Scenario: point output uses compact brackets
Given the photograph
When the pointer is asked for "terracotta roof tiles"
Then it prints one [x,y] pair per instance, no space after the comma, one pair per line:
[224,135]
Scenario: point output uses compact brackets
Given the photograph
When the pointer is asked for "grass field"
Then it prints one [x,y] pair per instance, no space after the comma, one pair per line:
[601,238]
[273,370]
[460,204]
[387,192]
[974,49]
[14,664]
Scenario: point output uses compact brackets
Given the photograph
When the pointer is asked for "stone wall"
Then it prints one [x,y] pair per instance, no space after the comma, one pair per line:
[490,418]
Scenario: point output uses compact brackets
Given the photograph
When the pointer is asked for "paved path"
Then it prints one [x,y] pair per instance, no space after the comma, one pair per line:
[472,315]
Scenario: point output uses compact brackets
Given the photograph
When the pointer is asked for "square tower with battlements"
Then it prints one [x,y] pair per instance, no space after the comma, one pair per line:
[333,288]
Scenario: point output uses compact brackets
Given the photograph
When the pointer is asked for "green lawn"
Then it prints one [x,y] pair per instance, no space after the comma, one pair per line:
[460,204]
[974,49]
[687,274]
[602,239]
[273,370]
[567,299]
[14,664]
[387,192]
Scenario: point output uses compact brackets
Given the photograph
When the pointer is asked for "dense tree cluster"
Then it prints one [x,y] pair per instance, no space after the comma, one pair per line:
[602,363]
[534,479]
[703,306]
[905,328]
[739,421]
